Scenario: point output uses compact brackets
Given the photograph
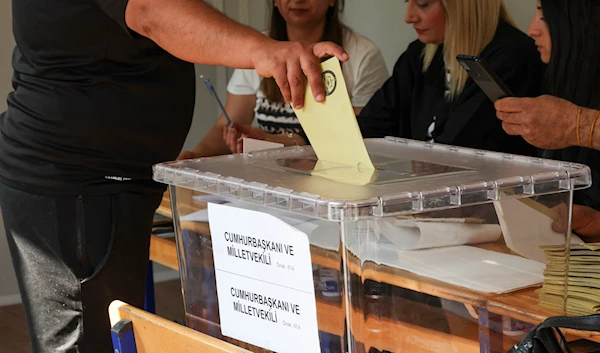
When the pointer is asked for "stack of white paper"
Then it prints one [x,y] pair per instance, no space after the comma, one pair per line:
[466,266]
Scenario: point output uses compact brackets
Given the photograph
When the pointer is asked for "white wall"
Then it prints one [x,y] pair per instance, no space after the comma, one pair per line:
[6,44]
[380,20]
[206,112]
[8,284]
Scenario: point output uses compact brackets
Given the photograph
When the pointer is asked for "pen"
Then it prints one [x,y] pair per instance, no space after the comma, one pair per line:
[212,91]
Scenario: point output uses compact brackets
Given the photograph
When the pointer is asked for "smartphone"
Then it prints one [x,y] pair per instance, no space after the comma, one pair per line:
[485,78]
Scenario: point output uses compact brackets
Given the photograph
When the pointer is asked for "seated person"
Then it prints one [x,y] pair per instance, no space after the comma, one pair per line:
[251,97]
[430,97]
[563,122]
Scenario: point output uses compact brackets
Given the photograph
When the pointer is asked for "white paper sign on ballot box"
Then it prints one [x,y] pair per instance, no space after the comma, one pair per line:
[264,280]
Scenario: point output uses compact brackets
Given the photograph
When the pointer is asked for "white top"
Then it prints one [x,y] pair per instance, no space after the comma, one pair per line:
[364,73]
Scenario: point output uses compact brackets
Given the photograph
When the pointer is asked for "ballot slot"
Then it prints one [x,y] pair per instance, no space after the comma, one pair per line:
[387,169]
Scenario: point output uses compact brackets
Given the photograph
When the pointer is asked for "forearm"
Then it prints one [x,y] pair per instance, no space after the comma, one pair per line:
[194,31]
[213,144]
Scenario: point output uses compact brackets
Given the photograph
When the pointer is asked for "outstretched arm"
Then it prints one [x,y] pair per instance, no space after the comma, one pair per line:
[194,31]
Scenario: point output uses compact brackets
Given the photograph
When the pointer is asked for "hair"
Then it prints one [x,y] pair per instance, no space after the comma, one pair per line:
[573,72]
[333,32]
[470,27]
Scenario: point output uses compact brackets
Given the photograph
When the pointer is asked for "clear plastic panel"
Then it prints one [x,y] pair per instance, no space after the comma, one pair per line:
[198,277]
[422,282]
[445,250]
[410,177]
[418,282]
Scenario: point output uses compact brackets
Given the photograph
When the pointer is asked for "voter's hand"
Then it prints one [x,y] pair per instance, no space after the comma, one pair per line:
[585,222]
[289,62]
[545,122]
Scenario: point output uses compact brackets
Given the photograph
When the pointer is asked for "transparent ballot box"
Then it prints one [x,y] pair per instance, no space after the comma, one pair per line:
[279,252]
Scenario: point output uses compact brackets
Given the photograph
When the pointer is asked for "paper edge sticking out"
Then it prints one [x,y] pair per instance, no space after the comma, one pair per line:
[251,145]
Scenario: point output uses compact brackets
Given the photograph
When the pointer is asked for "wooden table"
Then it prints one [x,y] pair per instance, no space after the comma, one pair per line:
[524,305]
[164,251]
[466,336]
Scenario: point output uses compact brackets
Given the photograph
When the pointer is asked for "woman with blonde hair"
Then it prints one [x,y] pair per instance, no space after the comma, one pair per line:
[431,97]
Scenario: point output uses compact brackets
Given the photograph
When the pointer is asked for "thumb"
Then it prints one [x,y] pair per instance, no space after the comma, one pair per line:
[559,226]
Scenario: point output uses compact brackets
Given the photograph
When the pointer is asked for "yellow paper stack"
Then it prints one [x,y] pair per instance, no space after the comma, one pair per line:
[572,279]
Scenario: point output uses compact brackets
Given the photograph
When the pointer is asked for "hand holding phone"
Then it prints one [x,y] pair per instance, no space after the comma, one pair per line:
[485,78]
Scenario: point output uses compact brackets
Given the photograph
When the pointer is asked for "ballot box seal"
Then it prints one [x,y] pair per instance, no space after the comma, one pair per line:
[330,82]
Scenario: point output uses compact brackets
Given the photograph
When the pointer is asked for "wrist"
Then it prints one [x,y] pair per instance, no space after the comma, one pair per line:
[585,127]
[257,45]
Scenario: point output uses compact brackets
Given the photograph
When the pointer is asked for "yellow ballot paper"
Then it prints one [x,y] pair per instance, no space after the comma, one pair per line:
[333,131]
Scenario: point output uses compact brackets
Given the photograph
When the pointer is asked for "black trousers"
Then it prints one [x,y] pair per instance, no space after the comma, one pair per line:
[73,256]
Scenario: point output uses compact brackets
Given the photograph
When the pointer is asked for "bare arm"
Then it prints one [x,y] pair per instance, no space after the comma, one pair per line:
[550,122]
[193,31]
[241,111]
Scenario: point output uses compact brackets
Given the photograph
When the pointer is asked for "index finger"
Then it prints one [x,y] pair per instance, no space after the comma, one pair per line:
[312,69]
[325,49]
[509,105]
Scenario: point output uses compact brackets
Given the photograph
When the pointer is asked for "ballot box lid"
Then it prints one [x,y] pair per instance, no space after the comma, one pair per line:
[410,177]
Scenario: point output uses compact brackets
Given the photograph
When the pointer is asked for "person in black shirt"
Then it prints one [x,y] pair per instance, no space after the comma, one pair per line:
[564,122]
[104,89]
[430,97]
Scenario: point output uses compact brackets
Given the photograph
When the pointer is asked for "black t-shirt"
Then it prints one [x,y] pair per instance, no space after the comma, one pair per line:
[94,104]
[411,100]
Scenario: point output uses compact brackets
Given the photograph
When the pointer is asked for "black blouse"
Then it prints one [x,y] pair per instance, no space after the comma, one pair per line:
[411,99]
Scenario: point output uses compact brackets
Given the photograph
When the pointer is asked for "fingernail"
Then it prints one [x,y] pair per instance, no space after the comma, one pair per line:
[298,106]
[320,97]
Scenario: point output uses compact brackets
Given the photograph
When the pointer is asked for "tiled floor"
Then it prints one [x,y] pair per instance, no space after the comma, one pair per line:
[13,330]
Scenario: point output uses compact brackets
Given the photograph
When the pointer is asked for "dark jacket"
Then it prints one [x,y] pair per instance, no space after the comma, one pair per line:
[408,102]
